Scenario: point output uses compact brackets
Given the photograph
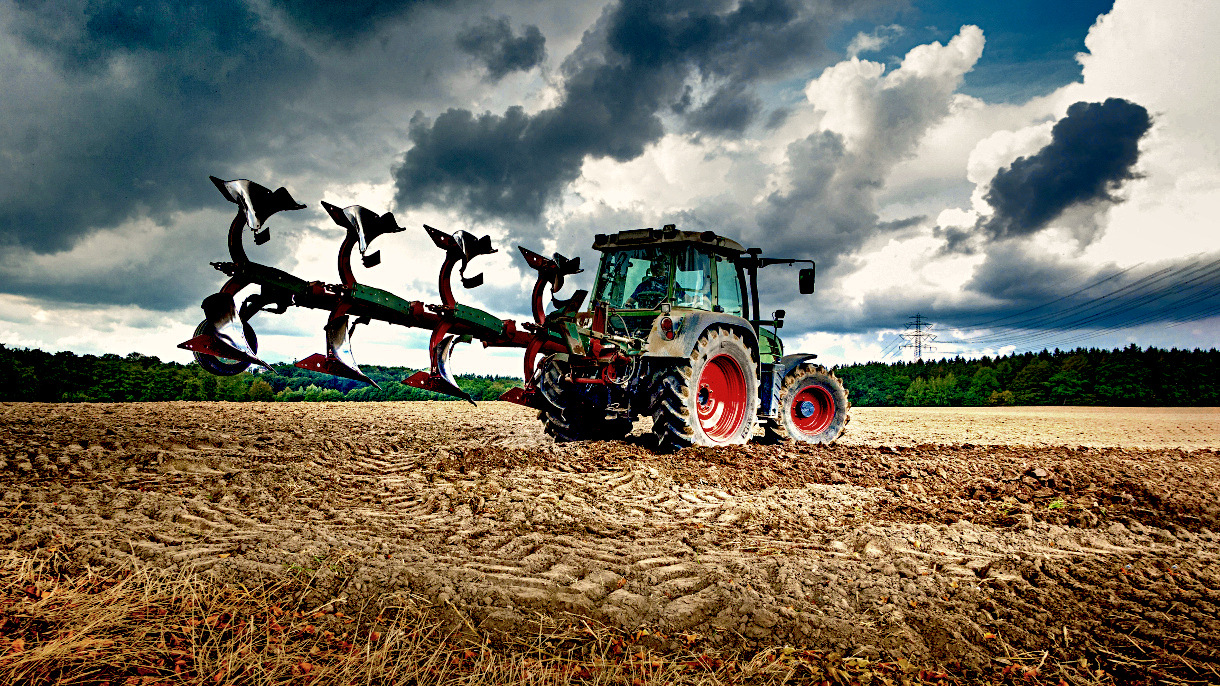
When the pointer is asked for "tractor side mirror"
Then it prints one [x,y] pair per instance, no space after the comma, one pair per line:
[805,280]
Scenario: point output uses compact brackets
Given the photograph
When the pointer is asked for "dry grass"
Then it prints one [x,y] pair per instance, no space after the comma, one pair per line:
[146,626]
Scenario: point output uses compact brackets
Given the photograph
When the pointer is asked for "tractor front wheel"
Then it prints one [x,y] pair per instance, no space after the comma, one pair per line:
[711,399]
[566,413]
[813,405]
[223,366]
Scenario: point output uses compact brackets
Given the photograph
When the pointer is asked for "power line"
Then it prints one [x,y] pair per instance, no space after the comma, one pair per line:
[1058,318]
[1052,302]
[891,346]
[1171,295]
[1138,294]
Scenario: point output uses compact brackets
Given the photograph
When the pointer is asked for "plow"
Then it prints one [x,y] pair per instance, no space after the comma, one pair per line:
[672,329]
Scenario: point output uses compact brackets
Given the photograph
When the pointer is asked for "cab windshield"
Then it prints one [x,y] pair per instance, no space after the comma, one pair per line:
[634,279]
[643,278]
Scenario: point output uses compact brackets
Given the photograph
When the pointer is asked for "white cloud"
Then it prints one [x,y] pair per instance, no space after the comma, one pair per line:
[885,116]
[1162,57]
[873,40]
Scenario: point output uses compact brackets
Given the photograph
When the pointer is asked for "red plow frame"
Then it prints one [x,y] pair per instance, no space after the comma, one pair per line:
[225,343]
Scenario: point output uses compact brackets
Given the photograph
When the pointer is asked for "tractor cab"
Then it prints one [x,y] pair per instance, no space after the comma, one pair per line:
[646,272]
[641,270]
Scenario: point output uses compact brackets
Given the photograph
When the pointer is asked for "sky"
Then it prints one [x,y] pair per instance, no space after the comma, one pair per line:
[1022,175]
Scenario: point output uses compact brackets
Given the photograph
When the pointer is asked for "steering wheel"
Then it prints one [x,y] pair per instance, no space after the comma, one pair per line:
[648,299]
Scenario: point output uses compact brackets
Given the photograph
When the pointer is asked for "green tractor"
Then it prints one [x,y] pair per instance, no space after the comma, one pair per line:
[674,331]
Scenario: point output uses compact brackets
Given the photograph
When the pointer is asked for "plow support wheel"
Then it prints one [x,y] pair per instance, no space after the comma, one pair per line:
[226,336]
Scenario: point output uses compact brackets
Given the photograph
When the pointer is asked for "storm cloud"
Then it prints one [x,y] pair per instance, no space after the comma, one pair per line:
[339,21]
[492,42]
[632,67]
[120,110]
[1093,150]
[728,110]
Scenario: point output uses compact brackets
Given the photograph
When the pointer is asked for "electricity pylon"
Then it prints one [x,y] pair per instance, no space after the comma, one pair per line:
[918,336]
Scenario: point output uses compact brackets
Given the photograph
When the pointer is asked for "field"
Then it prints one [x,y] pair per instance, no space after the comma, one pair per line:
[265,543]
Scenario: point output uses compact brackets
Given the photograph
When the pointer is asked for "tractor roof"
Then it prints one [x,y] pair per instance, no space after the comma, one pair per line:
[667,235]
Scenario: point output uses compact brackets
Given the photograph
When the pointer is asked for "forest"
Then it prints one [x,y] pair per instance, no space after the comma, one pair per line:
[34,375]
[1130,376]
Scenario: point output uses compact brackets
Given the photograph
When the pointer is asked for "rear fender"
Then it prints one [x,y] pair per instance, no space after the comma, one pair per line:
[689,325]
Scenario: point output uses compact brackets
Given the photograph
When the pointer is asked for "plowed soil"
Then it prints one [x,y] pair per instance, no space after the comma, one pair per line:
[953,537]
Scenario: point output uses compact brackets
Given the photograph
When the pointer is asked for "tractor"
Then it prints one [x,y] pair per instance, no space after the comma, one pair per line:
[673,330]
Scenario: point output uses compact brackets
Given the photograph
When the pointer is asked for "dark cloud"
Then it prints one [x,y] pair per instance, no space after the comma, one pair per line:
[1030,299]
[143,102]
[337,20]
[957,240]
[728,111]
[629,69]
[791,218]
[1021,296]
[492,42]
[1093,150]
[777,118]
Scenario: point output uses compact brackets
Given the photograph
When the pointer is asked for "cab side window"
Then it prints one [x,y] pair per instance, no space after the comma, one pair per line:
[728,287]
[693,282]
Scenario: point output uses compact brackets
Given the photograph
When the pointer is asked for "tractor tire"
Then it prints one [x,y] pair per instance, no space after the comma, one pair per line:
[710,399]
[564,415]
[224,366]
[813,406]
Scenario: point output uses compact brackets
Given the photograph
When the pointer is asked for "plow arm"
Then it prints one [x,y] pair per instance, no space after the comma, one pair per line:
[222,334]
[362,225]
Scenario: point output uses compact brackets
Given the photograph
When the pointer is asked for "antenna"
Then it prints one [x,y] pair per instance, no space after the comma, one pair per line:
[918,334]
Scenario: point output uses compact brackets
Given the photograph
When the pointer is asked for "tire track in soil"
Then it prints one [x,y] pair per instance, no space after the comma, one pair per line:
[856,548]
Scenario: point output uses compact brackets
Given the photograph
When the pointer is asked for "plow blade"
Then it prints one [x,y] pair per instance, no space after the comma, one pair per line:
[338,360]
[516,395]
[257,203]
[440,379]
[225,335]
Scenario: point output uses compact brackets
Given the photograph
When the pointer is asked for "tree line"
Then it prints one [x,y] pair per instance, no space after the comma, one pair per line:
[37,376]
[1130,376]
[1126,376]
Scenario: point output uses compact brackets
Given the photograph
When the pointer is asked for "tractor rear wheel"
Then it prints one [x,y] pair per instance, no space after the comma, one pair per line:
[566,414]
[710,399]
[223,366]
[813,405]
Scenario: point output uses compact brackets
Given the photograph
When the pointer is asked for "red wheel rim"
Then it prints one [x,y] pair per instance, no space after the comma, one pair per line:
[721,398]
[812,410]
